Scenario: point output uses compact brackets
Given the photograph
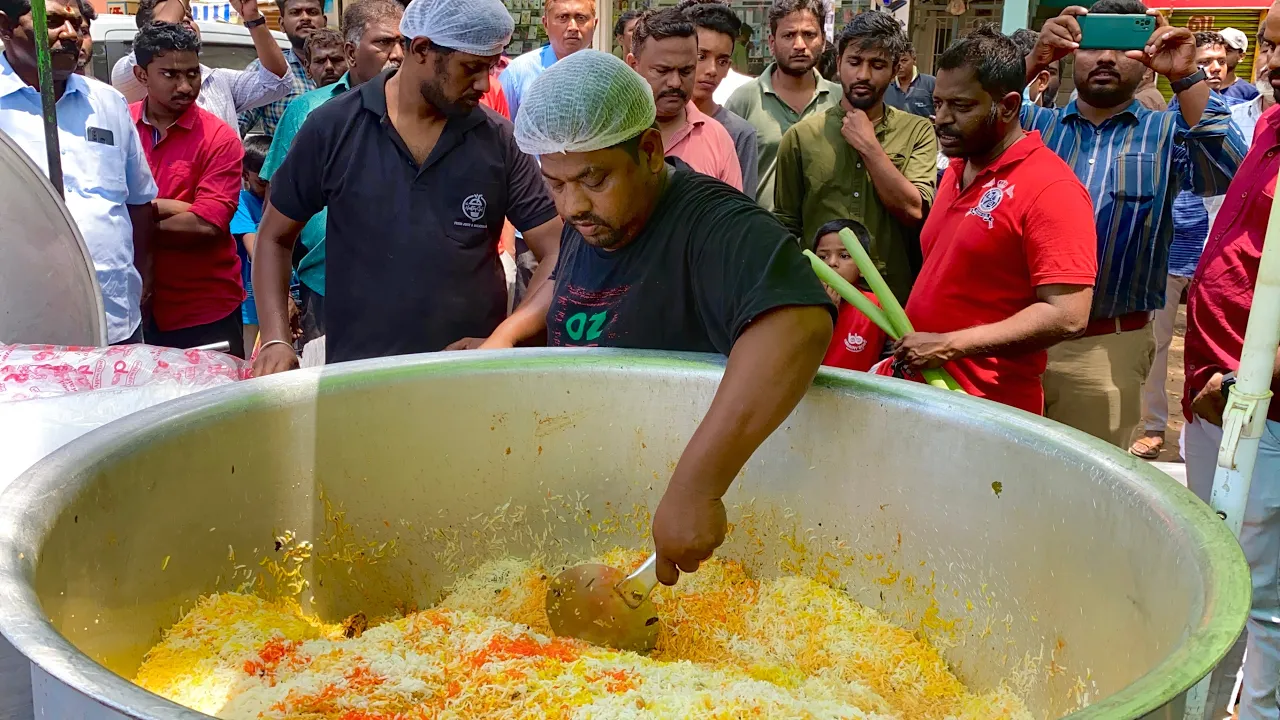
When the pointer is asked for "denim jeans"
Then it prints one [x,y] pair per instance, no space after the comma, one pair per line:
[1260,538]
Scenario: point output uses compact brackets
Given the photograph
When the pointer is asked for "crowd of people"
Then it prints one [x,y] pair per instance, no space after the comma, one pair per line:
[352,187]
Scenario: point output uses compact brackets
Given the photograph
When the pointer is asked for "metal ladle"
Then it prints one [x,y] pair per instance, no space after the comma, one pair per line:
[599,604]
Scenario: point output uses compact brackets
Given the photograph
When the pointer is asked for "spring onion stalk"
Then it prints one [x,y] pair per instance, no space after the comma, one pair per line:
[851,294]
[892,308]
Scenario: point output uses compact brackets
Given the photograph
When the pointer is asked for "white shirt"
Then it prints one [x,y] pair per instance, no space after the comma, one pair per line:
[99,178]
[731,82]
[223,92]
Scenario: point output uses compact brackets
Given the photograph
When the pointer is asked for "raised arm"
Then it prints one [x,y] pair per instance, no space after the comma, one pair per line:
[269,52]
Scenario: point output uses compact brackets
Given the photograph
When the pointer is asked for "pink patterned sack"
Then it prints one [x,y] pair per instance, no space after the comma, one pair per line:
[41,371]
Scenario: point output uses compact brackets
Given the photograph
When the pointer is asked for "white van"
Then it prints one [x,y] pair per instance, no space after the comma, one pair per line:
[222,45]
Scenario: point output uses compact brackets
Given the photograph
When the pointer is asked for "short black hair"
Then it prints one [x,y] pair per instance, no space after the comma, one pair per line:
[255,152]
[998,63]
[1118,7]
[835,226]
[323,38]
[146,13]
[660,25]
[714,16]
[15,9]
[874,30]
[620,27]
[159,38]
[1025,40]
[1209,38]
[782,8]
[87,11]
[357,17]
[284,4]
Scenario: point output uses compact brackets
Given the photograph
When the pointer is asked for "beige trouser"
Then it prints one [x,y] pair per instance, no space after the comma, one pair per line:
[1094,384]
[1155,401]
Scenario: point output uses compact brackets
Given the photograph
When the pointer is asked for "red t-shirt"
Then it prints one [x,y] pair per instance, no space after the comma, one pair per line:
[1024,222]
[495,99]
[857,342]
[196,282]
[1221,292]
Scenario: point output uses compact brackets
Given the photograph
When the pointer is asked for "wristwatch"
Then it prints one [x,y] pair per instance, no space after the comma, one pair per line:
[1228,382]
[262,20]
[1187,82]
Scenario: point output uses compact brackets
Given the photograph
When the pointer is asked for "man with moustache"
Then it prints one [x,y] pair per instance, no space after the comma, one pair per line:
[195,158]
[569,25]
[1219,302]
[664,52]
[107,184]
[717,26]
[418,179]
[1010,212]
[326,57]
[298,19]
[790,89]
[1245,115]
[863,159]
[371,30]
[1124,155]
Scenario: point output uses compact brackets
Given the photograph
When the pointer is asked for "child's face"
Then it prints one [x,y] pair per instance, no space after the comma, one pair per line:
[254,184]
[833,252]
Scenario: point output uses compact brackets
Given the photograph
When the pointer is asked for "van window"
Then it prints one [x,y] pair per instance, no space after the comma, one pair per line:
[236,57]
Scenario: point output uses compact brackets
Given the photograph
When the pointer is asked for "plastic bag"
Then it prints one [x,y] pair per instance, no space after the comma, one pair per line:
[43,371]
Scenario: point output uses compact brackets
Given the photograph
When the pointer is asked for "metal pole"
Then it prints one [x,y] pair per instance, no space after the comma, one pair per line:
[48,102]
[1245,417]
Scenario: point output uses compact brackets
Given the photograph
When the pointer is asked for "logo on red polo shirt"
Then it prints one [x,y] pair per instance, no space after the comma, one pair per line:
[855,343]
[996,192]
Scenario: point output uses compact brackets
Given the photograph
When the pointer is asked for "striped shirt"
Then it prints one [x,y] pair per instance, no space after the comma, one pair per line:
[1127,165]
[268,116]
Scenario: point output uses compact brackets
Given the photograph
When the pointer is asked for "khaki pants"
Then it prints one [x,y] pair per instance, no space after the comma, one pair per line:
[1094,384]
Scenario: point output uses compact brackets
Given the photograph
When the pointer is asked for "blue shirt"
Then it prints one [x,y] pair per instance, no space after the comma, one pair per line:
[1241,90]
[1127,165]
[1190,214]
[522,72]
[245,222]
[100,178]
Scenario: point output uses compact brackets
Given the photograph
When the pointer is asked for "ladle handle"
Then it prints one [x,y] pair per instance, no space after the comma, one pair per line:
[636,587]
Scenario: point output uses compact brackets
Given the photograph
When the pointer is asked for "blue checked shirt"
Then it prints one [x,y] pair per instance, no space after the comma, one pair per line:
[268,116]
[1128,167]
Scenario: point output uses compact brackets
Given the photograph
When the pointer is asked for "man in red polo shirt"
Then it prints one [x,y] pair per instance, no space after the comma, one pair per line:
[1218,303]
[1010,253]
[195,158]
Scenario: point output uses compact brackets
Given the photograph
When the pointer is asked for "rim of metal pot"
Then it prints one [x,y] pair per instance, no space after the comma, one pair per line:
[29,508]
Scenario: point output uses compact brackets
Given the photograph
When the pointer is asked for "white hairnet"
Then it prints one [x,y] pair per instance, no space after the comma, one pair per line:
[478,27]
[588,101]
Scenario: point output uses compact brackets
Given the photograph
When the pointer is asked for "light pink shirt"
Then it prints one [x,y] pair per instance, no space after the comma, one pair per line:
[707,147]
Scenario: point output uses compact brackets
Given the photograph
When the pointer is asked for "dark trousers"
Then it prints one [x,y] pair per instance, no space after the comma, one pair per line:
[229,329]
[312,315]
[134,339]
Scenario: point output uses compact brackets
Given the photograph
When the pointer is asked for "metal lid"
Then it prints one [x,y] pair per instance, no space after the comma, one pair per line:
[48,289]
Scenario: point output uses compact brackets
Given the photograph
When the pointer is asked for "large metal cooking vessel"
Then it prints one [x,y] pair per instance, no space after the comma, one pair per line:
[1083,575]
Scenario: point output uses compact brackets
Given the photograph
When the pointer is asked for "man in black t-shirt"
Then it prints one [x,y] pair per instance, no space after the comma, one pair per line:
[656,256]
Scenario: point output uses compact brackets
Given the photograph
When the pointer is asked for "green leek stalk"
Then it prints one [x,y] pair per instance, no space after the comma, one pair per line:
[892,308]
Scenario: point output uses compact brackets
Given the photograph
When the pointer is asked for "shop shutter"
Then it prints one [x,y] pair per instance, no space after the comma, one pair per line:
[1246,20]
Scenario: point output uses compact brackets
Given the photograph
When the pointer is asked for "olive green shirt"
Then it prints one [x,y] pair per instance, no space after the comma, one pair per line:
[757,103]
[821,178]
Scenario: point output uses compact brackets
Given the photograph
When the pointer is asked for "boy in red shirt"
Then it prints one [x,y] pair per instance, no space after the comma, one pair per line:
[196,160]
[857,342]
[1010,251]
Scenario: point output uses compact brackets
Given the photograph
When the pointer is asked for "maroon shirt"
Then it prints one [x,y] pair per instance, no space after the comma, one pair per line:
[1221,292]
[196,282]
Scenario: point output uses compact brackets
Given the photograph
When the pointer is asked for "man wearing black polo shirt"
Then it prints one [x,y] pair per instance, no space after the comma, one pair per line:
[659,257]
[417,178]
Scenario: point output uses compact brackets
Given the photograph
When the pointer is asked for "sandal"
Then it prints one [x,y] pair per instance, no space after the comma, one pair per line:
[1148,447]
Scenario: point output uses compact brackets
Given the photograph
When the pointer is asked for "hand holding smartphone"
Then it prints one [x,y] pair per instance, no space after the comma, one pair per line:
[1115,32]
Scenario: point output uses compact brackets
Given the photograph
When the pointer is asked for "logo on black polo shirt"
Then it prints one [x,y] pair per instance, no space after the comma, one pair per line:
[996,192]
[473,207]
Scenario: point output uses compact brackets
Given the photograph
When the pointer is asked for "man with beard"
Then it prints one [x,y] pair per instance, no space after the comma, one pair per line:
[195,158]
[1010,212]
[656,256]
[569,25]
[371,30]
[717,26]
[1245,115]
[326,57]
[298,19]
[1237,45]
[863,159]
[790,89]
[418,179]
[1124,155]
[107,185]
[223,92]
[665,53]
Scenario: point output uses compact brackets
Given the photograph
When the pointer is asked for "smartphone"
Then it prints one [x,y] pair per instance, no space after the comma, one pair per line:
[1115,32]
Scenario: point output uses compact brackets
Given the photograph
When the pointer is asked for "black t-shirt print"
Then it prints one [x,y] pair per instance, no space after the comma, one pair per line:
[709,262]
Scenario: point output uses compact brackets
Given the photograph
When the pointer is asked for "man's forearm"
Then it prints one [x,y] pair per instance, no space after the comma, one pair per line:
[186,228]
[770,367]
[142,217]
[269,53]
[1035,327]
[1192,102]
[901,198]
[271,269]
[530,318]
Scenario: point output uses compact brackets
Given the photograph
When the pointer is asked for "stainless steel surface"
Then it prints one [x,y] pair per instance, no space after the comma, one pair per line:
[1029,552]
[605,606]
[48,290]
